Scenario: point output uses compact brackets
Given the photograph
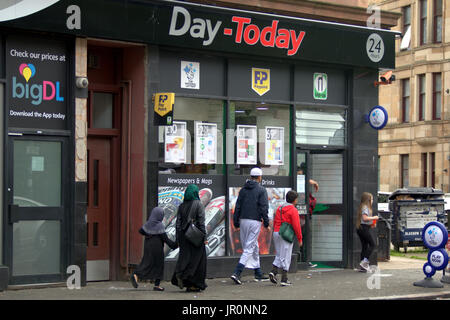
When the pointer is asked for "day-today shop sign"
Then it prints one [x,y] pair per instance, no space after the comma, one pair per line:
[193,26]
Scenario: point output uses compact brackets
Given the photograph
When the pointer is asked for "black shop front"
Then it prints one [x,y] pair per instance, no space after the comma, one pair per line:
[286,94]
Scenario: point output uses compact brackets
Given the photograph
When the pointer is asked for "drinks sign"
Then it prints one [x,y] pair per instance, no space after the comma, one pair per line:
[36,71]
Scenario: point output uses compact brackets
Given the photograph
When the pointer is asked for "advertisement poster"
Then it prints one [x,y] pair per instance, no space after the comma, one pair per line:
[190,75]
[205,142]
[276,198]
[36,71]
[274,154]
[171,195]
[175,143]
[246,145]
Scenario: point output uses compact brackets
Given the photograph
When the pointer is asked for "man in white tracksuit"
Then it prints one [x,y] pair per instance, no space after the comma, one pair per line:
[251,207]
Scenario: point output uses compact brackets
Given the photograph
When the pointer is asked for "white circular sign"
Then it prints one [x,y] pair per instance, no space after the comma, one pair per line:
[433,236]
[375,47]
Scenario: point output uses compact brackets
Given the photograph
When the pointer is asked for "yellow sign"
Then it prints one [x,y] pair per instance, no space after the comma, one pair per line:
[164,103]
[260,80]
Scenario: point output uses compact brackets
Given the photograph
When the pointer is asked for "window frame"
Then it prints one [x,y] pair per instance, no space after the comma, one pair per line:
[404,172]
[422,96]
[424,169]
[436,16]
[423,17]
[435,94]
[433,169]
[405,98]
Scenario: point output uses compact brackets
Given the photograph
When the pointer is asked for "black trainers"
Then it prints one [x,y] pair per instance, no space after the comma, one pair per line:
[285,283]
[133,281]
[236,278]
[273,278]
[261,278]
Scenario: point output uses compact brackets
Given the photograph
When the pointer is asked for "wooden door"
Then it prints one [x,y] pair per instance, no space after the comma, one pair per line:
[99,208]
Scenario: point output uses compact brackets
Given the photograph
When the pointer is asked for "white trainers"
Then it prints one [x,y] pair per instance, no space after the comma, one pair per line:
[365,265]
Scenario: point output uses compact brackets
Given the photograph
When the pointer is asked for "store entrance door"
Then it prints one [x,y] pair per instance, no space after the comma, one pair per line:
[98,210]
[103,145]
[36,227]
[324,227]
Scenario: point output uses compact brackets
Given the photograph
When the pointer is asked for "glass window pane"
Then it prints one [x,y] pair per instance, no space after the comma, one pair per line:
[102,113]
[438,105]
[321,128]
[301,177]
[326,237]
[36,247]
[37,173]
[327,170]
[407,15]
[185,150]
[439,29]
[270,149]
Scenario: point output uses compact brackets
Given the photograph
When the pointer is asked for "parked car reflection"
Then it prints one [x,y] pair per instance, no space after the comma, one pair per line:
[36,243]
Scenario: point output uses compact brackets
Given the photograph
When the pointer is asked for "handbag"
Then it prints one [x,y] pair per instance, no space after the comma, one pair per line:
[193,234]
[286,230]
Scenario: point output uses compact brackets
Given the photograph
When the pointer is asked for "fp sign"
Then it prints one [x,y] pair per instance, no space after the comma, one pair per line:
[260,80]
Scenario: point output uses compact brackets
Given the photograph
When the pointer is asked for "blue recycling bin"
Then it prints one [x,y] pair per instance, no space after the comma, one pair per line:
[412,209]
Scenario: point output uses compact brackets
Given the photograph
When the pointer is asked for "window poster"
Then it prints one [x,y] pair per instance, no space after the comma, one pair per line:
[274,153]
[205,142]
[246,146]
[175,143]
[190,75]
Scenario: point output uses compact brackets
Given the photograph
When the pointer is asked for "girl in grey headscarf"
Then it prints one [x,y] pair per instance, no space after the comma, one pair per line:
[152,264]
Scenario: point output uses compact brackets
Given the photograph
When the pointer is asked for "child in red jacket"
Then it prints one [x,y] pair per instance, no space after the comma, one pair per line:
[285,213]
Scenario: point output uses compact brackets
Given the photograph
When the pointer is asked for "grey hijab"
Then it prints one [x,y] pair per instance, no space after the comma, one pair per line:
[154,223]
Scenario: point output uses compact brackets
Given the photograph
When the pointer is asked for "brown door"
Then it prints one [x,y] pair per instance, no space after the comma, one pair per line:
[99,208]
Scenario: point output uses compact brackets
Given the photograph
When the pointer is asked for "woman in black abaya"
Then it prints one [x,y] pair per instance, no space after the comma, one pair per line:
[190,270]
[152,264]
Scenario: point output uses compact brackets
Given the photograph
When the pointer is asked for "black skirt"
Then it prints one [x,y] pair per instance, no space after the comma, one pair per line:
[152,263]
[191,265]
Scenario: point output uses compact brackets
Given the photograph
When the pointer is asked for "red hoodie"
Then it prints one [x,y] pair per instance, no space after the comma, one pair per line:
[290,215]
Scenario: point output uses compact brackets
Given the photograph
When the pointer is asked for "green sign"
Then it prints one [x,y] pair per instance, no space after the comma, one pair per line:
[320,86]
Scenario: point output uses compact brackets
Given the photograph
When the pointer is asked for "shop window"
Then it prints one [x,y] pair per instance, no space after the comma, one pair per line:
[261,132]
[320,128]
[194,143]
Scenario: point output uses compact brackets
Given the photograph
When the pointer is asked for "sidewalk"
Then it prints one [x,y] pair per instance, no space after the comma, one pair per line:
[395,280]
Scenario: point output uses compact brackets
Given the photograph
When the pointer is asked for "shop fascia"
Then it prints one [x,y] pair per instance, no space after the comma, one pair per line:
[271,36]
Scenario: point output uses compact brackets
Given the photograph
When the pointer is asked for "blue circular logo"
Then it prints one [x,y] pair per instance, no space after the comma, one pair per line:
[428,270]
[438,259]
[378,117]
[434,235]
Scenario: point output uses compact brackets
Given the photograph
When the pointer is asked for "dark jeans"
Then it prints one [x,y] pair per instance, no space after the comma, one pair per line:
[367,242]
